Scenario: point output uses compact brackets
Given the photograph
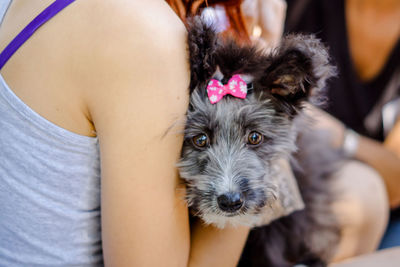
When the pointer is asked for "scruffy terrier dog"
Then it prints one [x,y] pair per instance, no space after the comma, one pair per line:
[243,117]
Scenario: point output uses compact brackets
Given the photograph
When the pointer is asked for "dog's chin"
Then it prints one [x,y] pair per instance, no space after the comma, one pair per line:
[251,217]
[234,219]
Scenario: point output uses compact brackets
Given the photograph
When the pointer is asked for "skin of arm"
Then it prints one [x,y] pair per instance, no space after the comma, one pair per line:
[385,257]
[269,17]
[392,141]
[272,15]
[224,246]
[382,157]
[136,78]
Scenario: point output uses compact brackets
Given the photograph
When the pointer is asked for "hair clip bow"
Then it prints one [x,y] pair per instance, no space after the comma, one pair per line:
[236,87]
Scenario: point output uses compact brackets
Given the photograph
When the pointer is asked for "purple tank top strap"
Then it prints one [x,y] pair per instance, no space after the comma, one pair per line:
[27,32]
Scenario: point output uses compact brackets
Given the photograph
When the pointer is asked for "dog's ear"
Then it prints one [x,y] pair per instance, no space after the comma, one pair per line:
[298,69]
[202,42]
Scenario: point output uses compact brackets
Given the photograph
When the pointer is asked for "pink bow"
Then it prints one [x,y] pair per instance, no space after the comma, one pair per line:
[235,86]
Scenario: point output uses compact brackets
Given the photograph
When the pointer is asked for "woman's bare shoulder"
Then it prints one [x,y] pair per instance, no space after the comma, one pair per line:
[138,40]
[130,23]
[93,48]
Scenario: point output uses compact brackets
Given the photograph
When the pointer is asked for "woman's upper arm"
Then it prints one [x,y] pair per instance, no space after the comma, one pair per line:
[138,91]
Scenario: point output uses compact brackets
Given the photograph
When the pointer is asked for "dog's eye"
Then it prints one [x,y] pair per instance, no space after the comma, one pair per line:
[255,138]
[200,140]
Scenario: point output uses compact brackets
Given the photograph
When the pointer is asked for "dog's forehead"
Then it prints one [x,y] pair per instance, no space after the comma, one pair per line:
[231,111]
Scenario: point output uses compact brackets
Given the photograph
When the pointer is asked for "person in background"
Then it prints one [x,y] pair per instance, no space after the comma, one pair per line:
[362,112]
[265,21]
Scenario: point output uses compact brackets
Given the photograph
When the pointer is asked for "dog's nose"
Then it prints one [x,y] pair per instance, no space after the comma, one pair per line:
[230,202]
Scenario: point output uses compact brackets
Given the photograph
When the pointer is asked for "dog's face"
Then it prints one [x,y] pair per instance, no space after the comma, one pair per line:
[231,147]
[228,154]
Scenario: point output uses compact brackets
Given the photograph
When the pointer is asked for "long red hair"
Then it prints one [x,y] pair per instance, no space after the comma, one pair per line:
[237,26]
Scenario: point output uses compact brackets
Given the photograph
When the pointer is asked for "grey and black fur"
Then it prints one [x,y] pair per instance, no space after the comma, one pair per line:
[231,181]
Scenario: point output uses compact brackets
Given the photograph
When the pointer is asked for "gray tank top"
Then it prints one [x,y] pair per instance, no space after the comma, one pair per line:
[49,189]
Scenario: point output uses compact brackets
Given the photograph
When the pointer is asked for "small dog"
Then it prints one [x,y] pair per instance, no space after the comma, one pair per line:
[243,117]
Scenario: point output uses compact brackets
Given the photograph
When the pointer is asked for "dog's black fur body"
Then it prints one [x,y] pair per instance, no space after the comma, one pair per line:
[296,71]
[294,239]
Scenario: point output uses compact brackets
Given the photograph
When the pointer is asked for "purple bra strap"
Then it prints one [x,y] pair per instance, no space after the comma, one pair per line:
[27,32]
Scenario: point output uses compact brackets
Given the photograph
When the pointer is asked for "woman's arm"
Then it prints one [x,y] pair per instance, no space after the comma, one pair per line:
[385,257]
[382,157]
[211,246]
[392,141]
[136,79]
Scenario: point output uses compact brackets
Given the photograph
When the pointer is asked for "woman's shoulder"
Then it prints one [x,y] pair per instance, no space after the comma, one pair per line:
[124,21]
[130,45]
[128,27]
[120,18]
[92,48]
